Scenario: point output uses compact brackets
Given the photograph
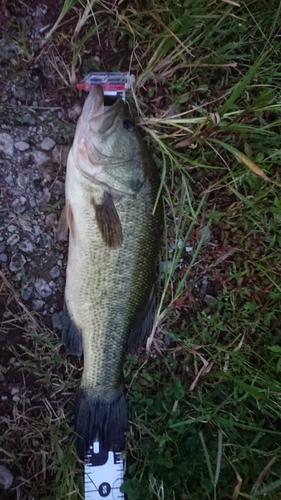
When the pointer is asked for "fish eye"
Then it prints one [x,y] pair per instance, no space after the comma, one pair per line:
[128,125]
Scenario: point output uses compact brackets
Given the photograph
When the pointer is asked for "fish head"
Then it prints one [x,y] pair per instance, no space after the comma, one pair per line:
[107,145]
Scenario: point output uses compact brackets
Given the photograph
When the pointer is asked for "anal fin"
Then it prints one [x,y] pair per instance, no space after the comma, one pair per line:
[71,335]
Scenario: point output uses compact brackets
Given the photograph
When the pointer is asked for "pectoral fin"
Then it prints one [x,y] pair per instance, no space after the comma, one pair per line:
[66,221]
[62,227]
[108,221]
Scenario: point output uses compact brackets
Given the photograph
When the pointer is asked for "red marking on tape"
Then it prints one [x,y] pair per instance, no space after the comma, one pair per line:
[105,86]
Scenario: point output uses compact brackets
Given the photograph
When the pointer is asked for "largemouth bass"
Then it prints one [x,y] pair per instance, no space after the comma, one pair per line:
[114,237]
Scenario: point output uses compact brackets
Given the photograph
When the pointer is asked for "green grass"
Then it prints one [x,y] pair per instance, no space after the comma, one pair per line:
[205,400]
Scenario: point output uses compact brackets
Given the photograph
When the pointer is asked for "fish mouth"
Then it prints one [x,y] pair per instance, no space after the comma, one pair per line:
[95,115]
[102,119]
[93,105]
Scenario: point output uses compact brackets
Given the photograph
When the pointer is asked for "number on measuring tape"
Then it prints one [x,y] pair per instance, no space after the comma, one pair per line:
[103,474]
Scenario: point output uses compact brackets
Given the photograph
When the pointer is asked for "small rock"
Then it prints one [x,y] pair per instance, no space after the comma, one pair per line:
[74,112]
[32,201]
[16,398]
[36,230]
[17,262]
[26,293]
[4,398]
[3,257]
[26,246]
[9,180]
[25,224]
[179,244]
[22,180]
[22,200]
[188,249]
[42,288]
[20,93]
[6,477]
[206,233]
[58,187]
[21,146]
[54,272]
[40,12]
[50,220]
[45,196]
[11,228]
[15,390]
[6,144]
[204,286]
[60,154]
[47,144]
[211,300]
[47,241]
[13,239]
[37,304]
[39,158]
[166,266]
[57,321]
[167,340]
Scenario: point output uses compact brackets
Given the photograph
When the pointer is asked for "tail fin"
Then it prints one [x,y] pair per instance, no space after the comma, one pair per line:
[100,417]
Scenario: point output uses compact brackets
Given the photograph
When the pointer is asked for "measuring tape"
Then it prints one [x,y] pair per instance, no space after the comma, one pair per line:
[103,474]
[114,84]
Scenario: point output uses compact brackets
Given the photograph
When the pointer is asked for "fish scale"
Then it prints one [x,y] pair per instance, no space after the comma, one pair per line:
[105,327]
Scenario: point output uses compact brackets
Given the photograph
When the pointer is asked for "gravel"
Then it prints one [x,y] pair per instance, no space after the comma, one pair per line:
[37,304]
[40,158]
[47,144]
[12,240]
[21,146]
[54,272]
[56,321]
[6,144]
[26,246]
[17,262]
[26,293]
[35,138]
[9,179]
[43,288]
[3,257]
